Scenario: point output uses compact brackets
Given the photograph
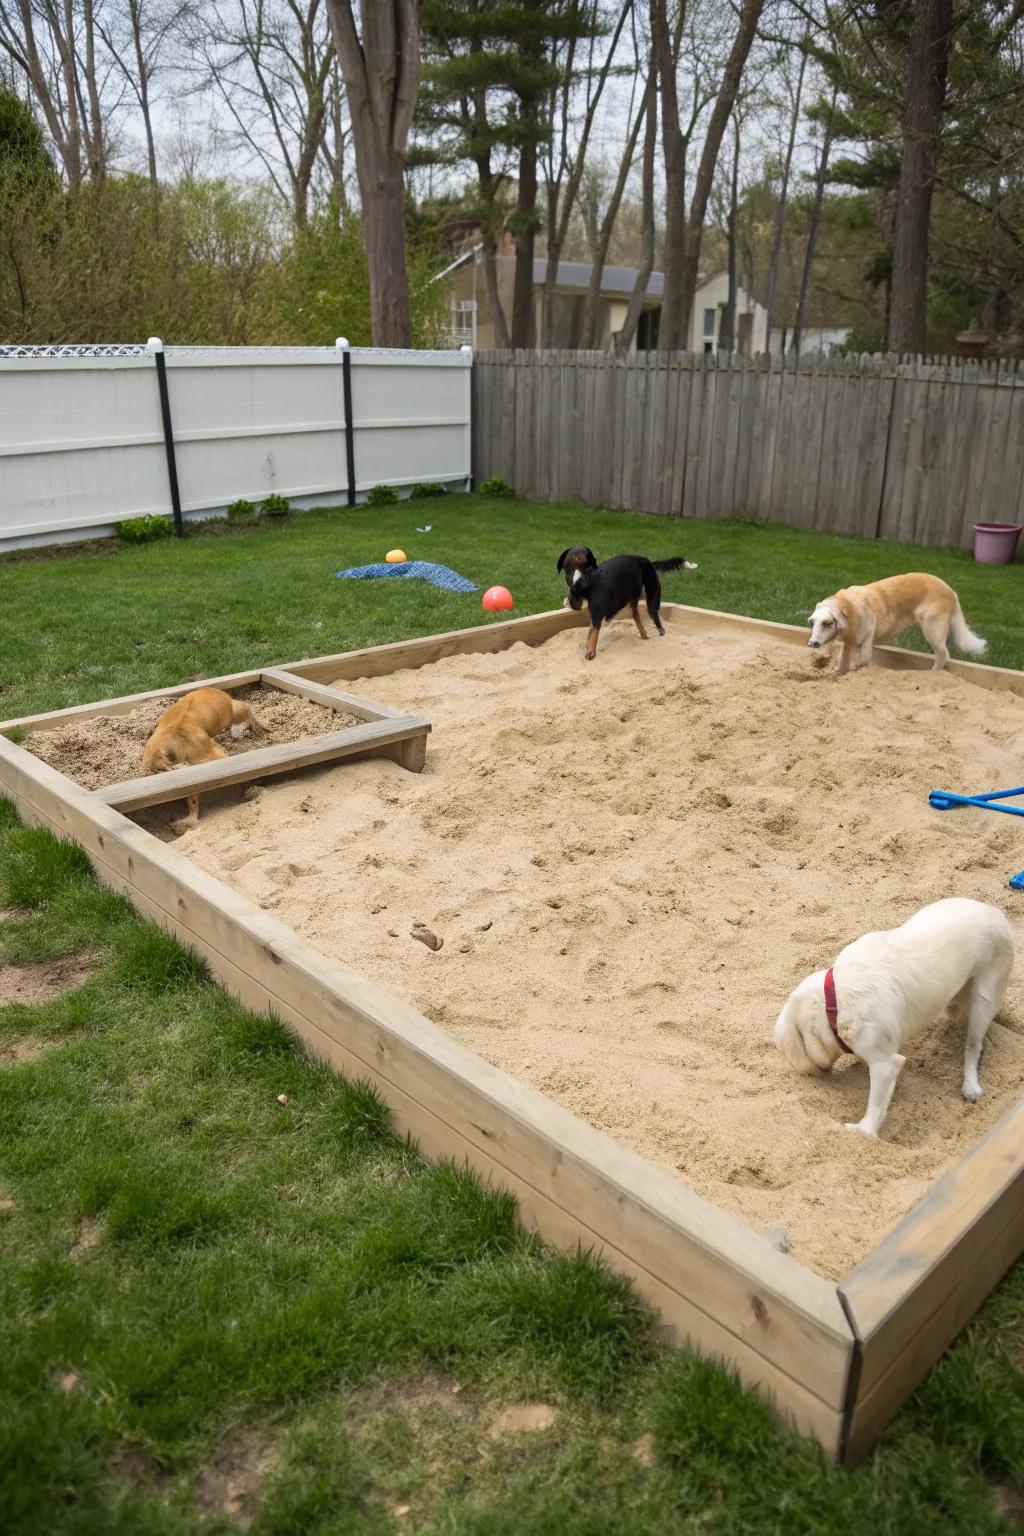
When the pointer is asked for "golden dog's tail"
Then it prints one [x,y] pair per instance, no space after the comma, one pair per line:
[963,638]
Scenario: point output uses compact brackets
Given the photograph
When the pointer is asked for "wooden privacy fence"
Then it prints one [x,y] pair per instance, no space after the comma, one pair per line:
[915,450]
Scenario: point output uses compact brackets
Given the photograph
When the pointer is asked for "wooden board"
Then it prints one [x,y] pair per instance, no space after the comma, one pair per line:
[333,698]
[911,1297]
[379,660]
[261,763]
[126,702]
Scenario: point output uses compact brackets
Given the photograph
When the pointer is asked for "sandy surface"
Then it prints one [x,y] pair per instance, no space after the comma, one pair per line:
[108,748]
[631,863]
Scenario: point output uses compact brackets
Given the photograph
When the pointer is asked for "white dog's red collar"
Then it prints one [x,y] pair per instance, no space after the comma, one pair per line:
[832,1011]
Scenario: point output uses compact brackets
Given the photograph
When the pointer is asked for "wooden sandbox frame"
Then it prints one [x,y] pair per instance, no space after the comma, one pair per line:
[836,1358]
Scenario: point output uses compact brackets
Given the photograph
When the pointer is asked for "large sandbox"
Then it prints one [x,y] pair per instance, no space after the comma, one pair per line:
[631,862]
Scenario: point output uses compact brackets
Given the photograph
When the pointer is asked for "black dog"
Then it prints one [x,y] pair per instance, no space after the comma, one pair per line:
[608,587]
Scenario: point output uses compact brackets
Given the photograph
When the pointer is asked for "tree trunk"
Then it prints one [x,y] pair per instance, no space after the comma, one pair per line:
[502,340]
[142,84]
[727,334]
[779,223]
[589,335]
[523,326]
[624,337]
[562,200]
[685,279]
[922,121]
[96,146]
[384,231]
[381,74]
[553,257]
[673,326]
[812,230]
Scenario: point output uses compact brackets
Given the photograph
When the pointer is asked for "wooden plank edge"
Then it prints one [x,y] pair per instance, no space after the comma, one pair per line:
[635,1184]
[126,702]
[263,762]
[332,698]
[894,656]
[918,1263]
[379,660]
[872,1409]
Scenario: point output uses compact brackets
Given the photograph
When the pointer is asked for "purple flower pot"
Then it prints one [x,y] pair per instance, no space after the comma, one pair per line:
[996,543]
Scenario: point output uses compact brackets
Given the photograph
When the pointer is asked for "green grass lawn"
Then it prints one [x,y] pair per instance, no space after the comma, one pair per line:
[218,1310]
[78,627]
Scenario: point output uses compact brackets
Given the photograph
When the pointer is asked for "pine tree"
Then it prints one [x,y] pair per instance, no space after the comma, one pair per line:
[490,70]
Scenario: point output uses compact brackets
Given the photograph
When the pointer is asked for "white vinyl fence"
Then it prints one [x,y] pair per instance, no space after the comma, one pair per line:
[83,445]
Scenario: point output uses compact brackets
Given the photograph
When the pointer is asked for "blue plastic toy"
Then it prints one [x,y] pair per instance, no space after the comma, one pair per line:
[945,800]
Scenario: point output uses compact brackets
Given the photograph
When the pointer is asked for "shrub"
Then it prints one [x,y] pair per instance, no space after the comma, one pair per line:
[496,486]
[240,509]
[382,496]
[276,505]
[142,530]
[429,488]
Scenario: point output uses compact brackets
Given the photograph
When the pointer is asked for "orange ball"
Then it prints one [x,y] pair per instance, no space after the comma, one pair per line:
[396,557]
[497,599]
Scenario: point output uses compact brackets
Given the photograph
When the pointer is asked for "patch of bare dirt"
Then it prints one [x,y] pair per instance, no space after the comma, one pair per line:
[419,1397]
[47,979]
[522,1418]
[29,1048]
[130,1464]
[1010,1504]
[87,1238]
[231,1486]
[108,748]
[643,1451]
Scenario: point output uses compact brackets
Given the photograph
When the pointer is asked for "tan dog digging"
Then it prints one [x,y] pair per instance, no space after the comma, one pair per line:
[185,733]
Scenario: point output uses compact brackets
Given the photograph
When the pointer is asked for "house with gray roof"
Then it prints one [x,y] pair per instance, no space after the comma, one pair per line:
[471,319]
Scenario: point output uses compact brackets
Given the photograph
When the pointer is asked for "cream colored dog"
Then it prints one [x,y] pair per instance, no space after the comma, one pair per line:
[184,735]
[860,616]
[885,987]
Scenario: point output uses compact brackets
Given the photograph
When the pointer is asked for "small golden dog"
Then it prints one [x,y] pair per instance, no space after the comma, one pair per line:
[860,616]
[184,735]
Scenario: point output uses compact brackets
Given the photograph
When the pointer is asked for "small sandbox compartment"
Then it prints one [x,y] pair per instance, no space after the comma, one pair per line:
[302,725]
[836,1355]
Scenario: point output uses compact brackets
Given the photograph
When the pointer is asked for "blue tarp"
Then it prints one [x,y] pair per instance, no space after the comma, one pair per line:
[425,570]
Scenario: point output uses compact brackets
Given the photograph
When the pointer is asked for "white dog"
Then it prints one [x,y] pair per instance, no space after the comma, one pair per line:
[885,987]
[860,616]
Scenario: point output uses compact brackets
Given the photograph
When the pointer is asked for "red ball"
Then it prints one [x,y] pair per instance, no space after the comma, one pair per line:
[497,599]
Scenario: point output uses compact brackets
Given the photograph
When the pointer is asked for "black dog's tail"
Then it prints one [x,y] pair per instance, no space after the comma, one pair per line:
[668,565]
[652,586]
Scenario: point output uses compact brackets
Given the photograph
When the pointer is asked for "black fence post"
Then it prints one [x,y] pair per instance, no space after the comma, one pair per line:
[350,431]
[156,347]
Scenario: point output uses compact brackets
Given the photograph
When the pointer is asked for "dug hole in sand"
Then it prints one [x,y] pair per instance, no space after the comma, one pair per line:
[630,863]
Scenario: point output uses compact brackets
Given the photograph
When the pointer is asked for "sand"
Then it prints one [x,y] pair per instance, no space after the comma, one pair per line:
[108,748]
[630,864]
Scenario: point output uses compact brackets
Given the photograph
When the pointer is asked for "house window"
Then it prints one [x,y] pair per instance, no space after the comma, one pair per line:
[462,323]
[709,330]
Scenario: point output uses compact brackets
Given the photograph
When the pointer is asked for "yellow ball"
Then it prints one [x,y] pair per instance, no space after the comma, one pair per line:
[395,556]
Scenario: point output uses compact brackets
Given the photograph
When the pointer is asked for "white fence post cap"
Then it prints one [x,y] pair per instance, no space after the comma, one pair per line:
[343,344]
[154,344]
